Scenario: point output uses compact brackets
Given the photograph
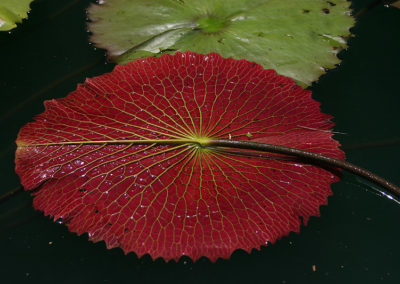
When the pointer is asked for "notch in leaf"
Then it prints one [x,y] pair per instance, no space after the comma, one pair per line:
[13,12]
[151,145]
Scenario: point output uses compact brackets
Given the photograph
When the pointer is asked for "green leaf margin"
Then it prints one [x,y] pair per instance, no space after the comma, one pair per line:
[12,12]
[299,39]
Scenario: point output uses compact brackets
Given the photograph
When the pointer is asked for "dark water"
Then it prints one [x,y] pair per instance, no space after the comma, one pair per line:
[355,240]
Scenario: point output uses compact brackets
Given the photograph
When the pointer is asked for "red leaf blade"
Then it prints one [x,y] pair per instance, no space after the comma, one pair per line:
[95,155]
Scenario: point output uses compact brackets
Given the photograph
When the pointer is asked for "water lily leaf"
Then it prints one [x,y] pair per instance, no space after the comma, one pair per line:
[299,39]
[125,157]
[12,12]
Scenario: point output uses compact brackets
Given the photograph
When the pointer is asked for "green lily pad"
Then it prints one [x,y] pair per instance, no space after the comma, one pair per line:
[12,12]
[298,38]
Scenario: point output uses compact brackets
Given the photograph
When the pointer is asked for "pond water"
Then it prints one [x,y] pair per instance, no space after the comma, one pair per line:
[356,239]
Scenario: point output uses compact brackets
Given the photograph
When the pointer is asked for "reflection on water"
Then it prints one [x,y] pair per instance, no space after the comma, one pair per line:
[371,188]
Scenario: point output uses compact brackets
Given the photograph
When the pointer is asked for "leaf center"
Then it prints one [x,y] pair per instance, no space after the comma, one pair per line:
[211,24]
[201,141]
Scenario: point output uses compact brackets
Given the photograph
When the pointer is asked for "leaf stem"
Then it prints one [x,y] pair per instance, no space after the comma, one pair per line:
[311,157]
[307,156]
[18,107]
[373,5]
[11,193]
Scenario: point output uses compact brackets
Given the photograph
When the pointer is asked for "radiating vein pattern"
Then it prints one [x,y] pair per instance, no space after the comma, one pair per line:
[98,162]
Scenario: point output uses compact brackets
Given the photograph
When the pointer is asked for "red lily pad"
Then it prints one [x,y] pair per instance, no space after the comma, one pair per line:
[99,159]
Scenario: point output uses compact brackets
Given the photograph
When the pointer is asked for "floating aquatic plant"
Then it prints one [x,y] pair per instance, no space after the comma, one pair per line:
[299,39]
[132,157]
[13,12]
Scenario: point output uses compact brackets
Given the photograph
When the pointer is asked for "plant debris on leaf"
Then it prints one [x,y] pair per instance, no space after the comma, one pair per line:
[299,39]
[12,12]
[99,160]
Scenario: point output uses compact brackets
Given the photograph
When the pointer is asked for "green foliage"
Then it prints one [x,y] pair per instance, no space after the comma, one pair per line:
[299,39]
[12,12]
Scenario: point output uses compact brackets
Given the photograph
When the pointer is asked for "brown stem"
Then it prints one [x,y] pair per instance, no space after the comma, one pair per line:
[309,156]
[373,5]
[11,193]
[373,144]
[17,108]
